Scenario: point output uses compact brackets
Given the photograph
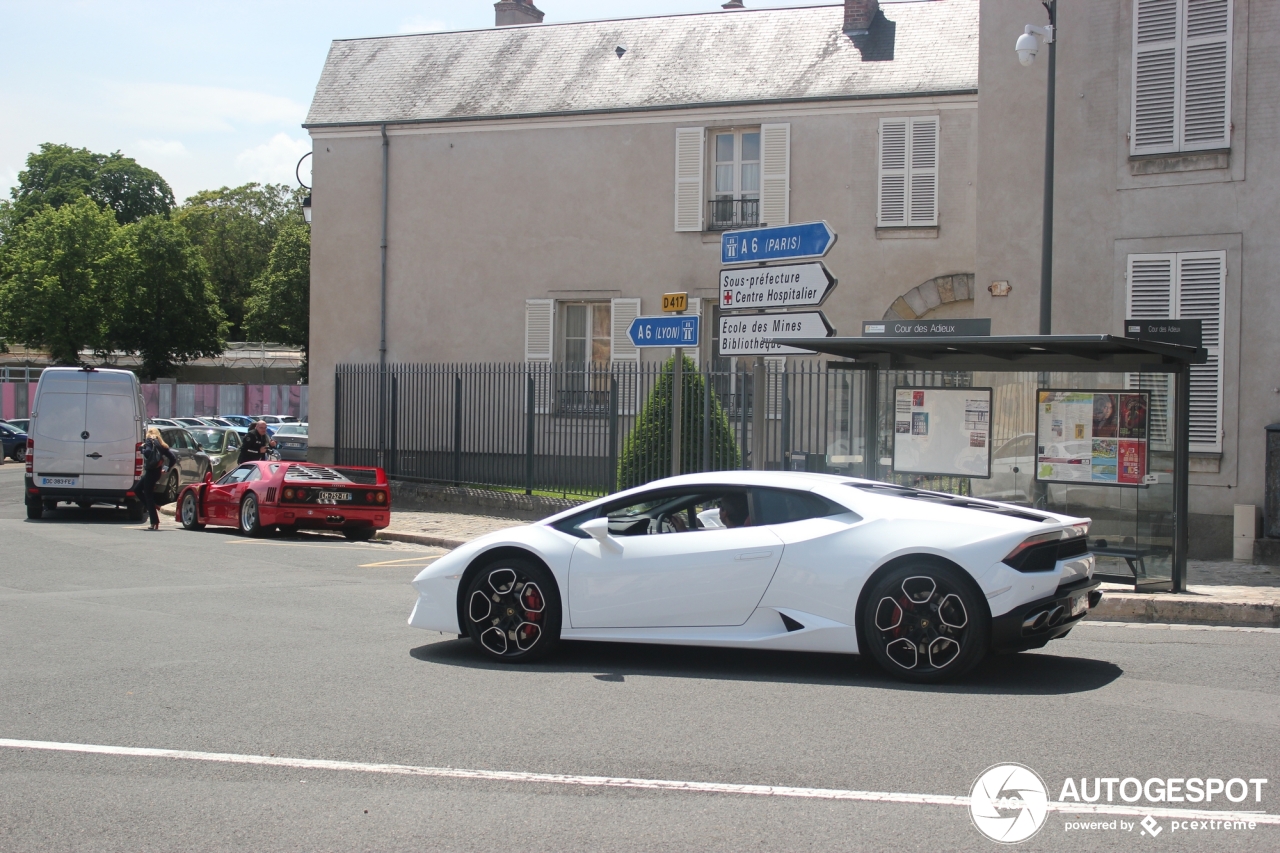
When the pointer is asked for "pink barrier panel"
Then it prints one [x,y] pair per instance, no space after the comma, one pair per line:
[206,401]
[7,403]
[151,398]
[258,400]
[253,399]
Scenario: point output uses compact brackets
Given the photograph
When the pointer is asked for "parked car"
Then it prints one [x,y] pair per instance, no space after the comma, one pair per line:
[189,423]
[20,424]
[258,496]
[925,583]
[13,442]
[221,445]
[83,445]
[162,422]
[292,441]
[241,423]
[193,464]
[215,422]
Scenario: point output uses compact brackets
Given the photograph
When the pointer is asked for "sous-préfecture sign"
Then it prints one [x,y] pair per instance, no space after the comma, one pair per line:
[669,330]
[765,334]
[777,243]
[784,286]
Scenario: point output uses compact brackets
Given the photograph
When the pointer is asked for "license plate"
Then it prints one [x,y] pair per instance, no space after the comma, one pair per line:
[60,482]
[1079,605]
[333,497]
[292,444]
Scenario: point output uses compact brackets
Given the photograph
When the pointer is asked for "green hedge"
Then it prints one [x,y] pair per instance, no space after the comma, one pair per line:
[646,453]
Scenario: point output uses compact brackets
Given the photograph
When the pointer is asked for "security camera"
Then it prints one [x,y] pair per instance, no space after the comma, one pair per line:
[1027,47]
[1029,42]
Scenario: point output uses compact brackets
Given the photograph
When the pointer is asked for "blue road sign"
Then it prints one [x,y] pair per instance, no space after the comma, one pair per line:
[780,243]
[670,330]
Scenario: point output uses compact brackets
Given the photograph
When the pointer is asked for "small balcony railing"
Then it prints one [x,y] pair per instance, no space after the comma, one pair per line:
[727,213]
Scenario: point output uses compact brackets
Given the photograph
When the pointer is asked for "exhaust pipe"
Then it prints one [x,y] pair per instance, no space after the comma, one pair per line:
[1094,598]
[1036,622]
[1055,615]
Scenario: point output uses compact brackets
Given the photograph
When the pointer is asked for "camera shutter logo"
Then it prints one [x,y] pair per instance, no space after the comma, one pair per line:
[1008,803]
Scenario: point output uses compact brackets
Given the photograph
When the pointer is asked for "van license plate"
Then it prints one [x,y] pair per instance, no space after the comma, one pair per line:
[60,482]
[333,497]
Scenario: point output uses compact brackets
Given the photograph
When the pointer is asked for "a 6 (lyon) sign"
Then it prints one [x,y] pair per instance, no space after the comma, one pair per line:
[671,330]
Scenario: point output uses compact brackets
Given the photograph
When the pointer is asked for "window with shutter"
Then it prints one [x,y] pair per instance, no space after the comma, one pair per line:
[1181,76]
[1183,286]
[908,193]
[690,145]
[539,321]
[626,355]
[774,366]
[775,167]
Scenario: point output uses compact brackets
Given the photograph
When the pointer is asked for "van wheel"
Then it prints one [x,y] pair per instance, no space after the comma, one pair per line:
[35,509]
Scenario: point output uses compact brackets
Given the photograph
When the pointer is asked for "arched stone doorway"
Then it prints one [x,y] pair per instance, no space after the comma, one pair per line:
[943,297]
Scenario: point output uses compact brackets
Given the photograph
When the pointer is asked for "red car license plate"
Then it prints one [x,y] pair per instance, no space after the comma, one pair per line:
[333,497]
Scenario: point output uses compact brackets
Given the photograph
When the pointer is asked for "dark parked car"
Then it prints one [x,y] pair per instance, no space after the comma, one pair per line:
[20,424]
[192,465]
[14,443]
[221,445]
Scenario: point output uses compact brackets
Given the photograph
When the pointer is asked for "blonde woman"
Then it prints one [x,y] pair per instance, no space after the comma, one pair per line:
[154,454]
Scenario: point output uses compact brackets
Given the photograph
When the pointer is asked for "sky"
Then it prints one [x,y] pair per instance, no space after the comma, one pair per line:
[210,94]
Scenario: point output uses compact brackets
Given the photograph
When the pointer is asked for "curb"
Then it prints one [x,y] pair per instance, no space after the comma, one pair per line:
[1122,607]
[418,539]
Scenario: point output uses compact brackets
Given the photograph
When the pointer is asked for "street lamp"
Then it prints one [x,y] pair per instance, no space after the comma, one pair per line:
[1027,47]
[306,202]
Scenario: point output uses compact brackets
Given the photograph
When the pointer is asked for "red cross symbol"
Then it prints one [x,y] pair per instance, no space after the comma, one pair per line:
[728,297]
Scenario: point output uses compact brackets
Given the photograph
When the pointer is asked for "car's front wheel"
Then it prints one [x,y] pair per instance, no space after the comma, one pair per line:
[189,511]
[20,454]
[250,521]
[925,623]
[512,610]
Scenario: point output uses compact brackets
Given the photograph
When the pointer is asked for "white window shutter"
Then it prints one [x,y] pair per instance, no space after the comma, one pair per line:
[1205,102]
[1202,278]
[691,146]
[923,171]
[623,311]
[775,174]
[695,308]
[539,340]
[1151,298]
[1156,53]
[774,367]
[892,208]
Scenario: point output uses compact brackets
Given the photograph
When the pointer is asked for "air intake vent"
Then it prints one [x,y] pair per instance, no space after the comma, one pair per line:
[792,625]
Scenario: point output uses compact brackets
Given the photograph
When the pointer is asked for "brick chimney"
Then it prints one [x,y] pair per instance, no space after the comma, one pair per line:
[858,15]
[509,13]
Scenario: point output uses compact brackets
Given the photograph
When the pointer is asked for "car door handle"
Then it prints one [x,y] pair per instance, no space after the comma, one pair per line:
[94,455]
[753,555]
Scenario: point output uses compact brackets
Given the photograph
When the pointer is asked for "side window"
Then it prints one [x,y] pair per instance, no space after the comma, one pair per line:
[233,441]
[779,506]
[255,473]
[666,512]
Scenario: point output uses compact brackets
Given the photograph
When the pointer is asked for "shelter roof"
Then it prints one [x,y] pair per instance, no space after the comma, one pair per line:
[1011,352]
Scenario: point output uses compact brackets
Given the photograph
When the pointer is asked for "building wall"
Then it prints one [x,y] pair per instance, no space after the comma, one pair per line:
[483,216]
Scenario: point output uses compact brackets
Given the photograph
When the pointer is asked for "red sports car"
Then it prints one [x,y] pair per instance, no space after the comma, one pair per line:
[258,496]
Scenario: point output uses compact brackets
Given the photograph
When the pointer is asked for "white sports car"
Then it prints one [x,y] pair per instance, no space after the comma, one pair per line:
[926,582]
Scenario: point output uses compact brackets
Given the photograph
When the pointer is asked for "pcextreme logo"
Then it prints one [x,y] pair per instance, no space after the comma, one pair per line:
[1008,803]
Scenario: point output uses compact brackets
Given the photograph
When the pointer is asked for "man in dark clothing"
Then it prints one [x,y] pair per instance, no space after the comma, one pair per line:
[154,454]
[255,444]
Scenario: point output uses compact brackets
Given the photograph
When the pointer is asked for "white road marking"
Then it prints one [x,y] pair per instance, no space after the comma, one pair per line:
[1170,626]
[614,781]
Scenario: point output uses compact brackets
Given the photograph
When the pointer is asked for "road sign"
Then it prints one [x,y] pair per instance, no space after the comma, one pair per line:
[665,331]
[762,334]
[926,328]
[779,243]
[675,302]
[787,286]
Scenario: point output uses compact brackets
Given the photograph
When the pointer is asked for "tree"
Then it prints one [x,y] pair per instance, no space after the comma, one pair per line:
[163,307]
[280,307]
[56,279]
[234,228]
[59,174]
[646,452]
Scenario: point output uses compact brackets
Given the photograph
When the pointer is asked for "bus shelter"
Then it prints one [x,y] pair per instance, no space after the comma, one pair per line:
[1084,425]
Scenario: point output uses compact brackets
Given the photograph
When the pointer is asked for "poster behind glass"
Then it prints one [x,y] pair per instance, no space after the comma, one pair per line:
[1092,437]
[942,431]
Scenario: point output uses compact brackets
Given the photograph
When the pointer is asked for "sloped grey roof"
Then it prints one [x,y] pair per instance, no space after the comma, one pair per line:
[676,61]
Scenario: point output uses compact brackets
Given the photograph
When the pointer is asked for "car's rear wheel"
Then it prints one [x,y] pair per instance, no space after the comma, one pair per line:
[20,454]
[189,511]
[358,534]
[512,610]
[250,522]
[925,623]
[171,487]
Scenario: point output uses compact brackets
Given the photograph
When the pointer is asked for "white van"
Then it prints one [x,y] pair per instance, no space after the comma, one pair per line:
[86,430]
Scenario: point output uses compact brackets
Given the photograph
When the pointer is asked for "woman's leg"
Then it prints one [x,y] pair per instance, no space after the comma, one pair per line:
[148,495]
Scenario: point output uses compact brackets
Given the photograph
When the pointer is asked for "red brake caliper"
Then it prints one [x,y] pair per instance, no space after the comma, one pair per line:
[533,600]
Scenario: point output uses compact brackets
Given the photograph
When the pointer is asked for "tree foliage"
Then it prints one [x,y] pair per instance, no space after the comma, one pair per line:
[57,175]
[646,452]
[234,229]
[279,308]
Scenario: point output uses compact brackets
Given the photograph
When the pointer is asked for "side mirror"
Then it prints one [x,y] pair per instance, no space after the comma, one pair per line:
[208,477]
[598,529]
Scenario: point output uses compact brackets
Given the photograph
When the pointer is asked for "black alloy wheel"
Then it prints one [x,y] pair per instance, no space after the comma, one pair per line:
[189,511]
[171,487]
[512,610]
[926,623]
[250,521]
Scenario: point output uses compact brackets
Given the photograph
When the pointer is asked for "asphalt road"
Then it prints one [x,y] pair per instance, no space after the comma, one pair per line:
[298,648]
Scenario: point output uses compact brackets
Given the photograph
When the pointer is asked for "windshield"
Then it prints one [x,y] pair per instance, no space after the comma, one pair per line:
[209,439]
[292,429]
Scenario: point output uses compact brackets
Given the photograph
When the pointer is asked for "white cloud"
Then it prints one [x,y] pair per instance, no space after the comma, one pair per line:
[165,149]
[274,160]
[178,108]
[422,24]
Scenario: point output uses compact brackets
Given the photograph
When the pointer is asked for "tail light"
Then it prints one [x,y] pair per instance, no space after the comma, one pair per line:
[31,452]
[302,494]
[376,497]
[288,494]
[137,461]
[1040,553]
